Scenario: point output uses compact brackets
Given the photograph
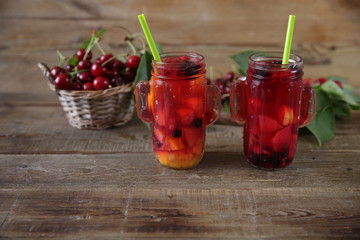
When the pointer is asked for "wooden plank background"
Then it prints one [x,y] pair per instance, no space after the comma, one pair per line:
[327,32]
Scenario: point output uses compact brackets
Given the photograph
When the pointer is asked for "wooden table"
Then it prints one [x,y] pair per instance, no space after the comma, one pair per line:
[63,183]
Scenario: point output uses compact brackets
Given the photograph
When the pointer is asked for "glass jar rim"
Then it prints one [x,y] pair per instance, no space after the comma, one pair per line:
[191,67]
[260,57]
[199,58]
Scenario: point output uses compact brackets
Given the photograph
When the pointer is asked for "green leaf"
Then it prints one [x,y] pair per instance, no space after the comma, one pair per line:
[323,125]
[322,100]
[226,106]
[330,87]
[144,73]
[350,97]
[242,72]
[144,69]
[159,47]
[341,109]
[73,60]
[341,79]
[242,60]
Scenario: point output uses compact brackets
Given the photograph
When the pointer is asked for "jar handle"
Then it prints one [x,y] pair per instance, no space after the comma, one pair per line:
[142,91]
[213,104]
[238,100]
[308,106]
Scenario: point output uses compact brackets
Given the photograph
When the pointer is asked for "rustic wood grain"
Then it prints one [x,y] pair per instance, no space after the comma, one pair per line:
[184,22]
[327,32]
[115,195]
[133,170]
[188,213]
[60,182]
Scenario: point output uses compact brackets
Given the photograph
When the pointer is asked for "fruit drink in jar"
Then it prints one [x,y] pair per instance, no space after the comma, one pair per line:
[272,103]
[179,105]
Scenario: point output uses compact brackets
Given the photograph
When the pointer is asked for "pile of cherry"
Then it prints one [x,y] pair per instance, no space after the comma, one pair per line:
[104,72]
[224,84]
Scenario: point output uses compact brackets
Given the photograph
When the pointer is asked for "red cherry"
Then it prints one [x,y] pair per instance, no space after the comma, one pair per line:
[307,81]
[207,80]
[129,76]
[227,90]
[339,84]
[105,58]
[221,84]
[97,69]
[184,58]
[321,80]
[55,71]
[118,65]
[80,54]
[101,83]
[84,65]
[77,86]
[111,73]
[84,76]
[229,76]
[63,82]
[88,86]
[69,68]
[118,81]
[133,62]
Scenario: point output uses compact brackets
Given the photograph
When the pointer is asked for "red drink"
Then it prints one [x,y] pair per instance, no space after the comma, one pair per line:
[272,104]
[179,105]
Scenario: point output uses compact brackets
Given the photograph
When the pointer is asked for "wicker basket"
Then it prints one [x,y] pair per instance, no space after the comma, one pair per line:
[95,109]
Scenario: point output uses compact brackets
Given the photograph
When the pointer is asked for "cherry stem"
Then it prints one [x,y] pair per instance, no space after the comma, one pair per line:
[61,58]
[123,28]
[114,57]
[76,71]
[99,47]
[131,45]
[141,38]
[91,45]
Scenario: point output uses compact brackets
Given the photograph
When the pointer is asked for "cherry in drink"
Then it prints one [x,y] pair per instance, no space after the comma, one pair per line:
[272,103]
[179,105]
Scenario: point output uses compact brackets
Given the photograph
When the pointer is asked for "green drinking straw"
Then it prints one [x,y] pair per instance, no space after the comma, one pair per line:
[149,37]
[288,40]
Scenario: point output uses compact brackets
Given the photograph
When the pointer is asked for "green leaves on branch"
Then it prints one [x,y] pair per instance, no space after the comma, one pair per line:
[332,102]
[144,69]
[73,60]
[242,60]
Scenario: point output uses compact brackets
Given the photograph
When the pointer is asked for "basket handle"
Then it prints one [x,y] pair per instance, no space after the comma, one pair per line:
[45,71]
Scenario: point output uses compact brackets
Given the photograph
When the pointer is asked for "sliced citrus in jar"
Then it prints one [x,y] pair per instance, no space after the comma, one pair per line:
[285,115]
[151,95]
[173,144]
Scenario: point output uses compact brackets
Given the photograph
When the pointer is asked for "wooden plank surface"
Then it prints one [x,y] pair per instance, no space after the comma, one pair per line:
[58,182]
[327,32]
